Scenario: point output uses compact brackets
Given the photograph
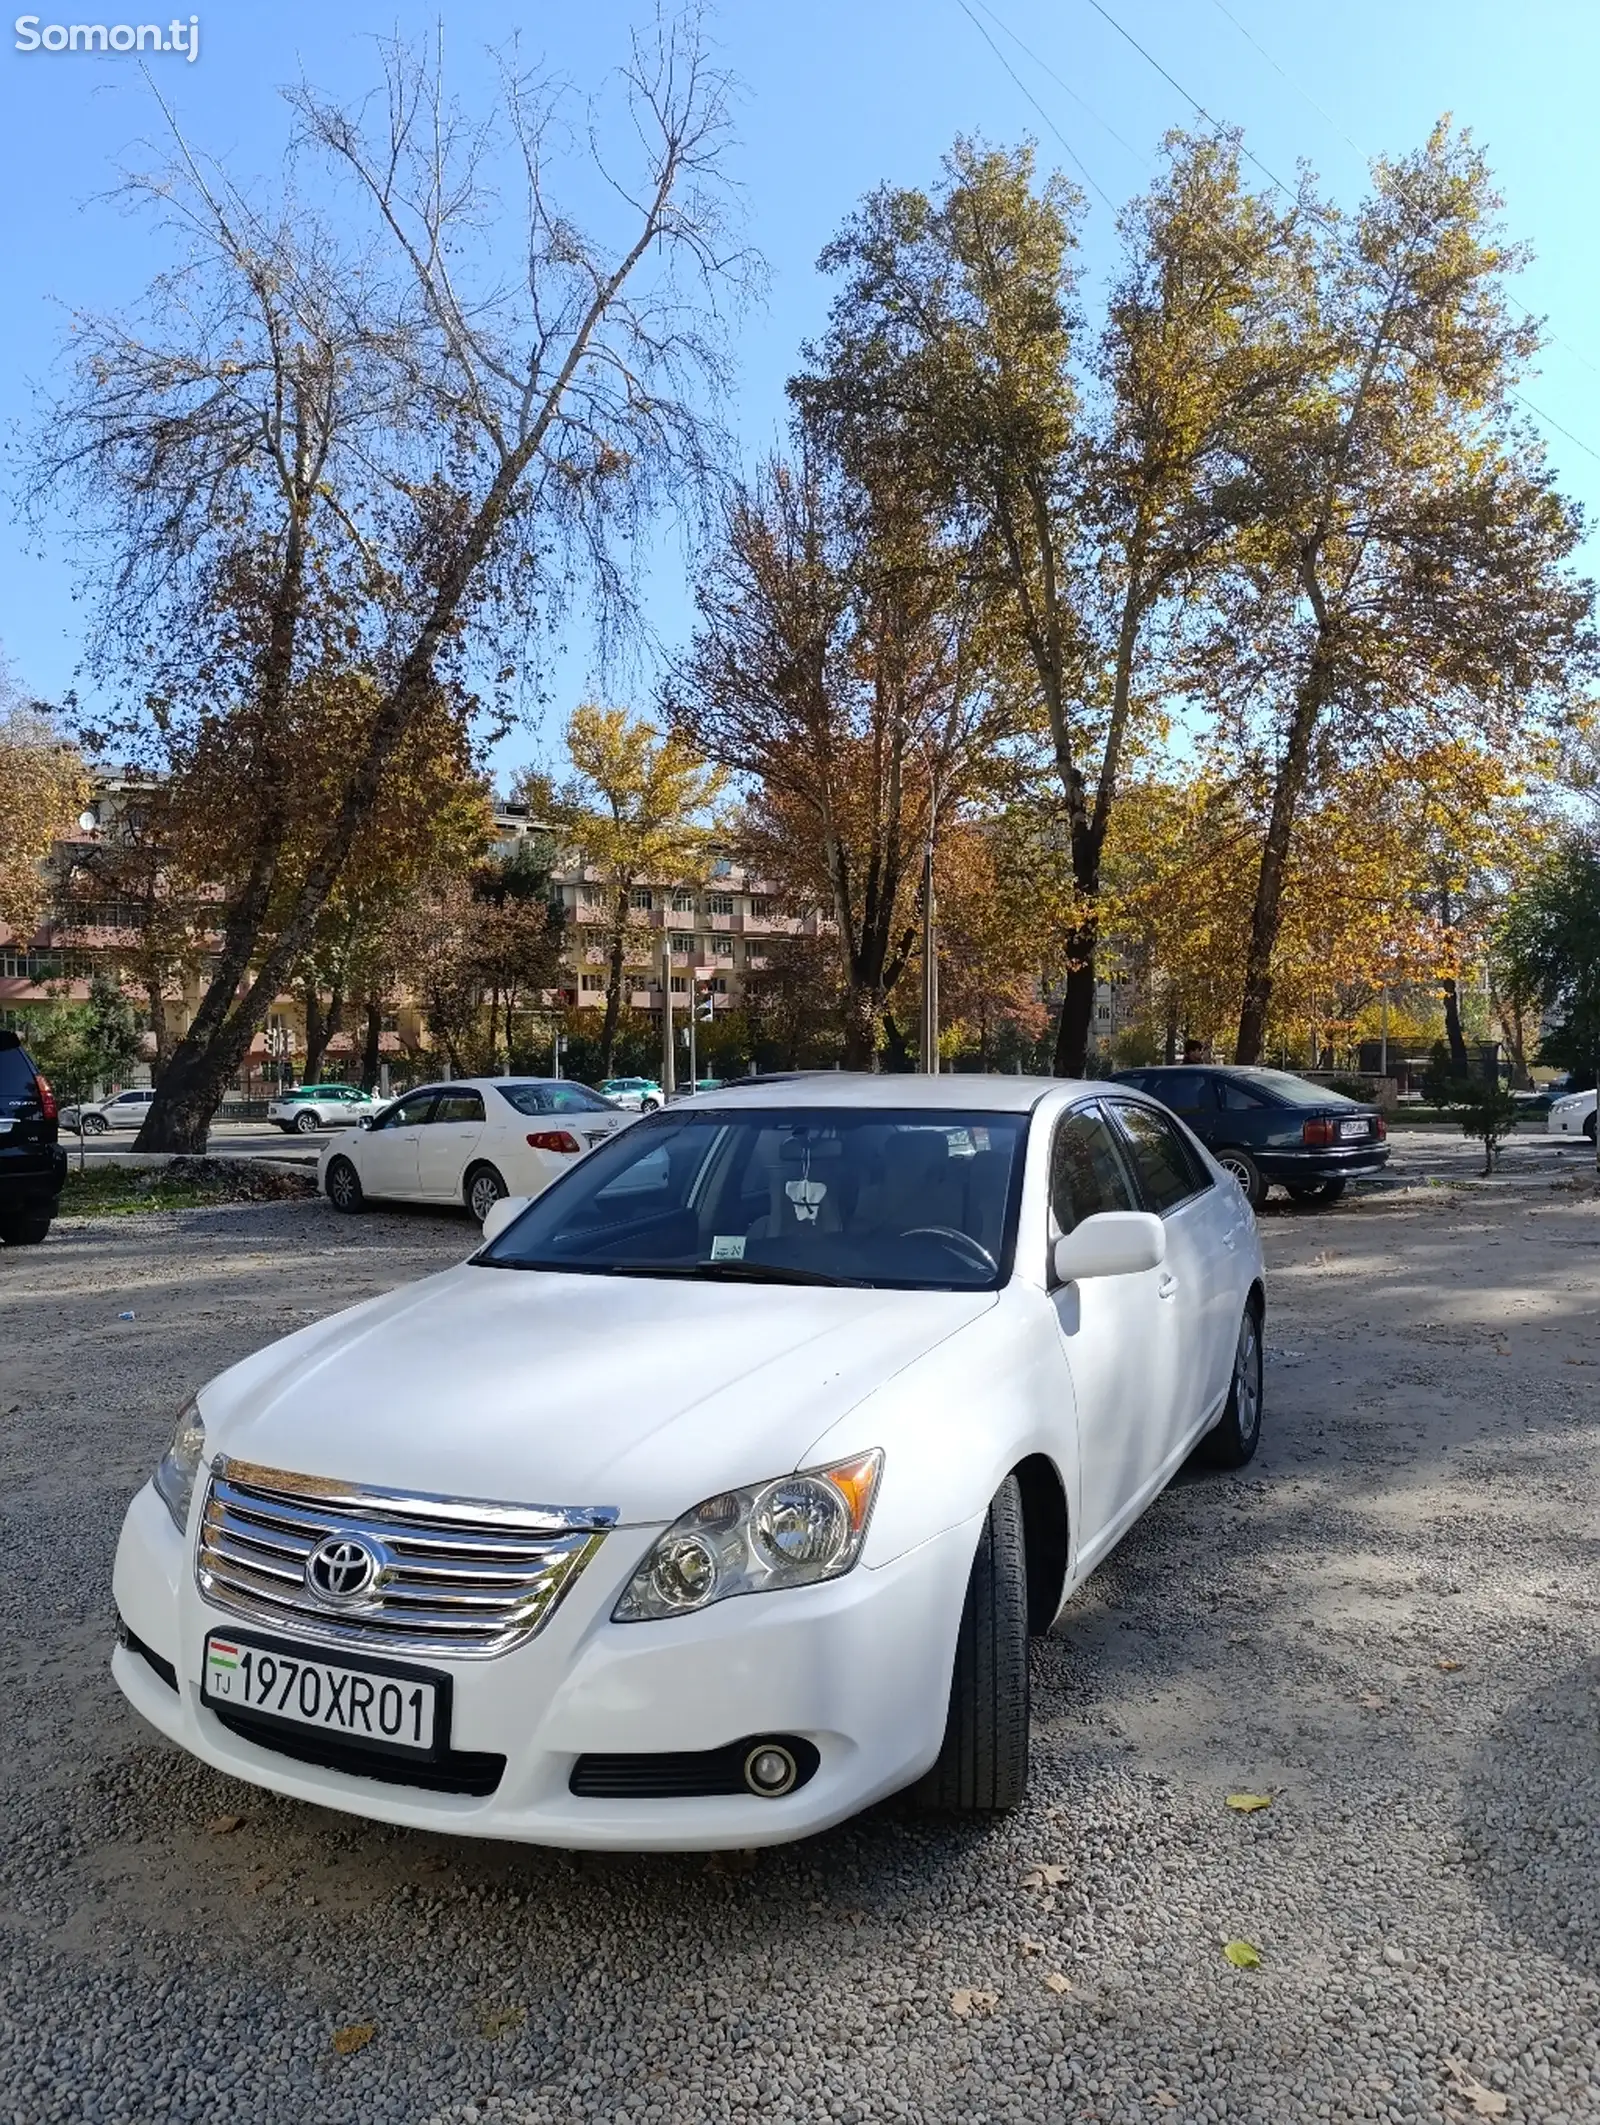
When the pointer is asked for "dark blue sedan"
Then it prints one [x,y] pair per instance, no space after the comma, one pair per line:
[1266,1126]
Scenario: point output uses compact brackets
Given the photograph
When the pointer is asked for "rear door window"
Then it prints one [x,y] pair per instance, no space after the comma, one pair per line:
[457,1107]
[1169,1171]
[1184,1091]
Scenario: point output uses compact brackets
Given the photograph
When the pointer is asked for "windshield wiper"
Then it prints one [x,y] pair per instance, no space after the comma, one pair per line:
[732,1272]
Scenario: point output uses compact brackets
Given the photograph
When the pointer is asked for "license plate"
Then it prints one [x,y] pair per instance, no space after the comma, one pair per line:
[384,1706]
[1353,1128]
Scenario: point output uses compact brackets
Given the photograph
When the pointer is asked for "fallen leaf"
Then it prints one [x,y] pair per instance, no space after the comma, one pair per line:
[967,2002]
[500,2020]
[222,1825]
[1242,1955]
[1487,2102]
[1247,1803]
[353,2037]
[1166,2098]
[1046,1875]
[1056,1982]
[1371,1700]
[1448,1667]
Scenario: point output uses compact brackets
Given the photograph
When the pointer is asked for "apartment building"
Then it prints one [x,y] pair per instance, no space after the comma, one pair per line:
[717,929]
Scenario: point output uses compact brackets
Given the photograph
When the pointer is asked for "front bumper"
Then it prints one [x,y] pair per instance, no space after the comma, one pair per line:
[859,1667]
[1323,1163]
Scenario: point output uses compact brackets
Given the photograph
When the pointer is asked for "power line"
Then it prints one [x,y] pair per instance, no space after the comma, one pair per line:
[1038,106]
[1295,85]
[1195,104]
[1553,340]
[1044,68]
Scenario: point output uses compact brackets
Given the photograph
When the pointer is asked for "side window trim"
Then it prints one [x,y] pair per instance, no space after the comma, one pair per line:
[1119,1144]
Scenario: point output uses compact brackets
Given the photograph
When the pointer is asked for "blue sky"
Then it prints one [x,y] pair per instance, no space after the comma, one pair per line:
[839,95]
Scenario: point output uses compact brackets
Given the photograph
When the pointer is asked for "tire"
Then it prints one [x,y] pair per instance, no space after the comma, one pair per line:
[306,1121]
[1233,1439]
[24,1231]
[982,1768]
[1317,1191]
[95,1125]
[343,1185]
[1588,1127]
[649,1106]
[482,1189]
[1246,1172]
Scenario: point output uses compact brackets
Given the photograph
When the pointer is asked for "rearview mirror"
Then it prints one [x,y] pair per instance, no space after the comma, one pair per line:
[1111,1243]
[505,1212]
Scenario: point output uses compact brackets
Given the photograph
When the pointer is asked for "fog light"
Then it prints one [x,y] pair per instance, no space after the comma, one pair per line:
[770,1770]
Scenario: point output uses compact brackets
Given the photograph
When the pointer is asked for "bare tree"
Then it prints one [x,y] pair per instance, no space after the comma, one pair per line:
[392,454]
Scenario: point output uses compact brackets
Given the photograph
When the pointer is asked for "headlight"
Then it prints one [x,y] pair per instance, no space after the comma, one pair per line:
[180,1464]
[793,1531]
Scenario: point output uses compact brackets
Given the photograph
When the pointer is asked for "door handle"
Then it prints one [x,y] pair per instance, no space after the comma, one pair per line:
[1167,1287]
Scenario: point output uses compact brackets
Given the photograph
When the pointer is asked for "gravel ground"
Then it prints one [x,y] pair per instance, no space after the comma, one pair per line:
[1390,1624]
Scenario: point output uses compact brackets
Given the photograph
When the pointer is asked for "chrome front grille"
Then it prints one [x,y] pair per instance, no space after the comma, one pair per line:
[457,1577]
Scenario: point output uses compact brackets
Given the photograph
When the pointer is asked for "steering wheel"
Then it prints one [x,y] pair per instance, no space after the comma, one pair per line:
[959,1241]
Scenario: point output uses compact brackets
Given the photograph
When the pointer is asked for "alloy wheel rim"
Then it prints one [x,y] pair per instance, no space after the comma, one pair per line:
[484,1197]
[339,1184]
[1241,1173]
[1247,1378]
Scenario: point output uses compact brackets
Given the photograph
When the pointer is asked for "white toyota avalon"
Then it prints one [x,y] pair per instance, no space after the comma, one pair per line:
[718,1494]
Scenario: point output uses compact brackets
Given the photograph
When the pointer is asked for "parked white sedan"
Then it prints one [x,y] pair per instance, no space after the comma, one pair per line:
[470,1141]
[1574,1115]
[717,1495]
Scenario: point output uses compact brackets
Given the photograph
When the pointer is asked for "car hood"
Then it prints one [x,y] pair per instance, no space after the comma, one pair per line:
[533,1388]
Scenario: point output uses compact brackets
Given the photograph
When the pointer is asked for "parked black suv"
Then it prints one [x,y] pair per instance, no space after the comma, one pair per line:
[1269,1125]
[33,1166]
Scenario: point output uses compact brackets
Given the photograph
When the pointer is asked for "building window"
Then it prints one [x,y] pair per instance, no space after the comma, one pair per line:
[594,981]
[723,947]
[1104,1011]
[682,903]
[719,986]
[685,946]
[640,896]
[719,903]
[680,984]
[760,906]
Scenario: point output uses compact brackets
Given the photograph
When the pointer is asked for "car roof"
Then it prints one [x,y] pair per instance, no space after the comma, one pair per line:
[850,1088]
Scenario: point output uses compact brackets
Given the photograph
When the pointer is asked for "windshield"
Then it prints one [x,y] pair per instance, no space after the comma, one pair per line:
[1298,1091]
[912,1199]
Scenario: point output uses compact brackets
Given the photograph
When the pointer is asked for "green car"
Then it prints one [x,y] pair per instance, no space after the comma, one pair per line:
[642,1094]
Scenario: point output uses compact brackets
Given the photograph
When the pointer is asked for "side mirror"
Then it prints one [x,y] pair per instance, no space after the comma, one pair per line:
[505,1212]
[1111,1243]
[363,1121]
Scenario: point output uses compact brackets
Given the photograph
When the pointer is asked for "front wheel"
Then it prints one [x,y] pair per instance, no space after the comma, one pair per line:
[1233,1439]
[95,1125]
[982,1768]
[1317,1191]
[344,1187]
[1588,1127]
[305,1121]
[1247,1173]
[24,1231]
[484,1190]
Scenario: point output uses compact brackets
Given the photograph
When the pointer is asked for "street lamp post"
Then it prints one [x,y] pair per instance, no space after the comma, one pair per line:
[669,1072]
[930,938]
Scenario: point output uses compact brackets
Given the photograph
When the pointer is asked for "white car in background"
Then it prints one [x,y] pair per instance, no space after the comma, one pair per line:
[718,1495]
[123,1110]
[1573,1115]
[311,1107]
[470,1141]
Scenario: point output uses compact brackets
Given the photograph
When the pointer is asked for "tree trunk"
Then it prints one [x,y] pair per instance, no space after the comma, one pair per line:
[1076,1022]
[862,1020]
[894,1042]
[1267,913]
[372,1047]
[1459,1061]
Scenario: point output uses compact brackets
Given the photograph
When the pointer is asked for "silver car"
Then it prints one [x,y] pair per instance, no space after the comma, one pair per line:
[312,1107]
[123,1110]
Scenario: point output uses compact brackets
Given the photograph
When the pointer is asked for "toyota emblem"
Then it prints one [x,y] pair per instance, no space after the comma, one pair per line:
[341,1569]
